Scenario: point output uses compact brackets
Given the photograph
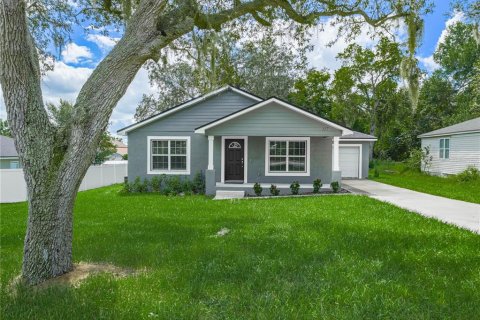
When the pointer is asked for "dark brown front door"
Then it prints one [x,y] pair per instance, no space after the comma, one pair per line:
[234,155]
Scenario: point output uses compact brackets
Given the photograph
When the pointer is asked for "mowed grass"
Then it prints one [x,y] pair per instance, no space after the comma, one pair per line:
[327,257]
[397,174]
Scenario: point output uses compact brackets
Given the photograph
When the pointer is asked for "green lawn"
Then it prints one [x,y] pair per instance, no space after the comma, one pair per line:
[328,257]
[397,174]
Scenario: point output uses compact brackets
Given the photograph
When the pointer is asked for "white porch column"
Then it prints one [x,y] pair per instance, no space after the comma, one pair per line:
[210,152]
[336,157]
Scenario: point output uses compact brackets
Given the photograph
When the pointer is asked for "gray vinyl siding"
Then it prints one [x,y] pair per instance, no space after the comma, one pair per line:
[273,120]
[183,123]
[464,152]
[320,162]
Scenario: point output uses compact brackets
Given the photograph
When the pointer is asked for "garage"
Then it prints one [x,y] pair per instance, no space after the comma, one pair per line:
[350,161]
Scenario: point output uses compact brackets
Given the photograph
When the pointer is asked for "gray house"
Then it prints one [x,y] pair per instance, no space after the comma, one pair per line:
[8,154]
[454,148]
[236,139]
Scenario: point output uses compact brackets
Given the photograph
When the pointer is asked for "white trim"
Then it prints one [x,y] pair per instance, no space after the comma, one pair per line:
[245,154]
[178,172]
[336,154]
[360,156]
[286,174]
[185,105]
[358,140]
[344,130]
[210,152]
[9,158]
[447,134]
[440,149]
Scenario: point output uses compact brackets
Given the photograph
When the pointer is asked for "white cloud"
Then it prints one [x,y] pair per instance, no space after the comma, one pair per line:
[324,55]
[103,42]
[74,53]
[428,63]
[457,17]
[65,82]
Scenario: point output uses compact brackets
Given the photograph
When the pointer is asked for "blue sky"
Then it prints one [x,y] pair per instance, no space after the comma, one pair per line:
[76,62]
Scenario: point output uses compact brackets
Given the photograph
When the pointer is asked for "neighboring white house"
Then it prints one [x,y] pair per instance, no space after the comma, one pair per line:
[121,150]
[8,154]
[453,148]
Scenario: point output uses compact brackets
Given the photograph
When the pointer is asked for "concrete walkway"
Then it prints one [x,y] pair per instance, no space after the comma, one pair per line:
[460,213]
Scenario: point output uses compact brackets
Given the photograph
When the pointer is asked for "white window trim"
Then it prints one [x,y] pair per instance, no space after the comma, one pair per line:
[149,156]
[245,160]
[360,156]
[440,148]
[286,174]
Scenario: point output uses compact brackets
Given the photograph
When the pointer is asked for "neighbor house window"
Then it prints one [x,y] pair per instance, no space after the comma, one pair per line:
[287,156]
[169,155]
[14,165]
[444,148]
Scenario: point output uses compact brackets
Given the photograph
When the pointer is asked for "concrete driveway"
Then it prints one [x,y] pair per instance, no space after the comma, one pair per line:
[460,213]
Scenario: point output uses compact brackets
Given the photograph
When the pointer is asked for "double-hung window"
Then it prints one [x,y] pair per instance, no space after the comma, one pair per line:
[287,156]
[444,148]
[169,155]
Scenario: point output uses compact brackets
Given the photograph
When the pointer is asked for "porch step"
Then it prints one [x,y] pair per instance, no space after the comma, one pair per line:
[229,194]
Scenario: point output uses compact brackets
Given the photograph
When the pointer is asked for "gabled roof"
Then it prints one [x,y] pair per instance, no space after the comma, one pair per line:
[7,147]
[463,127]
[266,102]
[358,136]
[184,105]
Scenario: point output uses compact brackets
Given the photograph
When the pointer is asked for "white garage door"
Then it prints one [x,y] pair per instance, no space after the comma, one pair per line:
[349,161]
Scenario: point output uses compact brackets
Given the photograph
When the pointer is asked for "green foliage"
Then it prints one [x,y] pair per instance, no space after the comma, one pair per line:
[174,185]
[398,174]
[156,183]
[139,186]
[4,128]
[260,65]
[198,183]
[312,93]
[274,191]
[376,172]
[420,159]
[317,184]
[295,187]
[335,186]
[257,188]
[468,175]
[125,156]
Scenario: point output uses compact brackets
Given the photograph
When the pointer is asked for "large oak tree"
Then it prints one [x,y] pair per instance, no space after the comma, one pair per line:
[55,160]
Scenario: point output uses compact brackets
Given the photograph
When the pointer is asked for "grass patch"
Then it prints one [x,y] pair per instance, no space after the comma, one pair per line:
[397,174]
[329,257]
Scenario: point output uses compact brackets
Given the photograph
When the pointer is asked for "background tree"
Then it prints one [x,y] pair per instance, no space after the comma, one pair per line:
[55,160]
[263,66]
[371,75]
[4,128]
[312,93]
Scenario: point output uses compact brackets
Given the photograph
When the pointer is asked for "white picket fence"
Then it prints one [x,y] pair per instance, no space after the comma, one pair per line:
[14,189]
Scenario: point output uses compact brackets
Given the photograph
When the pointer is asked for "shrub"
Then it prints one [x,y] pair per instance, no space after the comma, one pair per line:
[274,191]
[419,159]
[127,188]
[257,188]
[371,164]
[376,173]
[469,174]
[199,183]
[187,187]
[335,186]
[317,184]
[295,187]
[174,184]
[139,186]
[156,183]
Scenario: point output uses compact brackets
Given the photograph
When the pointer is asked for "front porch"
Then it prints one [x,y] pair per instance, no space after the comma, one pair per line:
[236,163]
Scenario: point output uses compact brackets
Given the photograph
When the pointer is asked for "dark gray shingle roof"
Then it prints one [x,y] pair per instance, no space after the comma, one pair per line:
[467,126]
[7,147]
[357,135]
